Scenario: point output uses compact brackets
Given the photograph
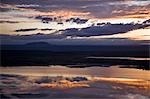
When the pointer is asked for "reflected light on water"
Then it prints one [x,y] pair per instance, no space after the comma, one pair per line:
[70,72]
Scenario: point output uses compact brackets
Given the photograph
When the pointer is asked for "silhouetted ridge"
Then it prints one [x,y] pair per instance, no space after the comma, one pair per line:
[38,44]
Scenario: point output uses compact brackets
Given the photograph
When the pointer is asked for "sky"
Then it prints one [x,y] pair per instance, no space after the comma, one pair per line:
[73,21]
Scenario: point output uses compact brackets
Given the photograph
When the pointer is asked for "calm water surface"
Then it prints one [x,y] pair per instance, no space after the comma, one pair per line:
[113,71]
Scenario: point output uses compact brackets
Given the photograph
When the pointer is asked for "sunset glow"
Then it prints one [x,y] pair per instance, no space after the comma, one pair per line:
[75,49]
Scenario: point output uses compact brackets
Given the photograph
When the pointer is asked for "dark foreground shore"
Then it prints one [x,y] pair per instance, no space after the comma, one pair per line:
[71,59]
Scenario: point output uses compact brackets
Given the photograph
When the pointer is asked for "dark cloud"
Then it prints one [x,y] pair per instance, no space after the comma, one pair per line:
[25,30]
[9,21]
[4,9]
[77,20]
[38,36]
[33,29]
[107,29]
[47,19]
[100,30]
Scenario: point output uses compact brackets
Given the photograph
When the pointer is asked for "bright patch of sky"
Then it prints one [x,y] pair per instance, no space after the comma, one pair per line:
[131,3]
[98,11]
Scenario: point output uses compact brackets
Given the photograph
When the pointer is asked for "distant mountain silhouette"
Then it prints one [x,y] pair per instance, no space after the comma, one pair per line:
[38,44]
[44,46]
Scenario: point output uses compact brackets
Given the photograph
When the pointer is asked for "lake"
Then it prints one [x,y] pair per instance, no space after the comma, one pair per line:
[56,81]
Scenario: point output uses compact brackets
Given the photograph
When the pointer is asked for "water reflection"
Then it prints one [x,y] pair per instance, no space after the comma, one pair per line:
[113,71]
[126,58]
[63,82]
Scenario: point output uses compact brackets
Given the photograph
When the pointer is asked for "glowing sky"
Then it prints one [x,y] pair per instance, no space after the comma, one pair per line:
[21,14]
[82,8]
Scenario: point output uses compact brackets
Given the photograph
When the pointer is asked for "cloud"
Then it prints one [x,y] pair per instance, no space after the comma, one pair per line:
[133,96]
[140,34]
[3,21]
[96,30]
[85,8]
[107,29]
[59,20]
[33,29]
[109,34]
